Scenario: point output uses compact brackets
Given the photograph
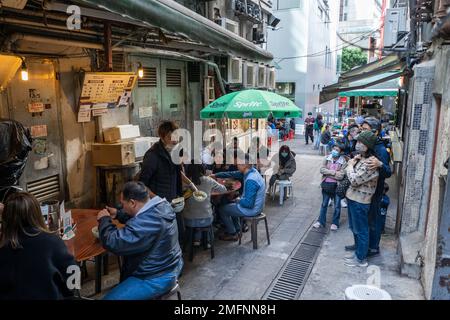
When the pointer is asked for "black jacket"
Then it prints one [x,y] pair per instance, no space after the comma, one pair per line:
[37,271]
[160,174]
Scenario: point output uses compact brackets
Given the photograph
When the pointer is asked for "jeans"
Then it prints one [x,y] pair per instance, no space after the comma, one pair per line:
[198,223]
[375,224]
[318,137]
[360,222]
[230,215]
[134,288]
[324,208]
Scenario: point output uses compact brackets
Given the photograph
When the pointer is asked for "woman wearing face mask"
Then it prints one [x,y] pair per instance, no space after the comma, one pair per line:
[350,140]
[286,165]
[332,171]
[363,179]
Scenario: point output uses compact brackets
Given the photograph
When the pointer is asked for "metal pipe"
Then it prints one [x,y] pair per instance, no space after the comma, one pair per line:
[176,18]
[107,45]
[129,49]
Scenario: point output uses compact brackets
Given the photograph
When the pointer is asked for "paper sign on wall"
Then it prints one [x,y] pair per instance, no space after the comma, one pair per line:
[36,107]
[39,131]
[145,112]
[124,99]
[99,112]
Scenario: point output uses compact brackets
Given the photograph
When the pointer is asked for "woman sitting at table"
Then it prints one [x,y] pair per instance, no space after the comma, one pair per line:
[199,214]
[33,261]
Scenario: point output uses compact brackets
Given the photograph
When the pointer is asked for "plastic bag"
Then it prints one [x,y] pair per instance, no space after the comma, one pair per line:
[15,145]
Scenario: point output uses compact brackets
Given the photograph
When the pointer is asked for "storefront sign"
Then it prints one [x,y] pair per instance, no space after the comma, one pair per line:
[106,87]
[84,114]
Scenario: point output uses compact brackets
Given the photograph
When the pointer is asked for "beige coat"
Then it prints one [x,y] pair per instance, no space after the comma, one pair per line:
[363,182]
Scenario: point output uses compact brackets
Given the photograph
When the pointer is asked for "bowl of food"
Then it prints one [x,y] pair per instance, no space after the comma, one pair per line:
[178,204]
[200,196]
[95,232]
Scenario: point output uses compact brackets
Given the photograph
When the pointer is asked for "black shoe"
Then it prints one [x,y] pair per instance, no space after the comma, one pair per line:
[373,253]
[244,227]
[350,248]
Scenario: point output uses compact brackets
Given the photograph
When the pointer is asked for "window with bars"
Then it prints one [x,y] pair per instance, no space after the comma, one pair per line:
[173,78]
[149,79]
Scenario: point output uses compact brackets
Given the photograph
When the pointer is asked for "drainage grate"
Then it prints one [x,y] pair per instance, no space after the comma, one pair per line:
[305,253]
[290,281]
[314,238]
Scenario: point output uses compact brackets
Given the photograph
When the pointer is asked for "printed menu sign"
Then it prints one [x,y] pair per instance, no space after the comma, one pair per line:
[106,87]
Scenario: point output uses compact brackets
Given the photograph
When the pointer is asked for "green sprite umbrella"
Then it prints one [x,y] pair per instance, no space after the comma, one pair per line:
[251,104]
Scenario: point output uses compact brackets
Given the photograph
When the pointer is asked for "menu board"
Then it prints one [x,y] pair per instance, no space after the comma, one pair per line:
[106,87]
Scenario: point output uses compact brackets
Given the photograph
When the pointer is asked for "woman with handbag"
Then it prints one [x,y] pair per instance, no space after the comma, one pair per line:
[332,171]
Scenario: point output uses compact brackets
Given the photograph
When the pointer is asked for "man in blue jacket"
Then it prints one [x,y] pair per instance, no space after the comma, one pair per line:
[381,161]
[148,243]
[250,204]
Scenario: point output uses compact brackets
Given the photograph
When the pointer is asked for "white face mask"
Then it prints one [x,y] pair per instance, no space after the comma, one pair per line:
[360,147]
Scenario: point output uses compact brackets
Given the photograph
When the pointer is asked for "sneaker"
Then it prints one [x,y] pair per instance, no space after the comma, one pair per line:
[196,243]
[208,245]
[355,262]
[334,227]
[229,237]
[349,256]
[343,203]
[317,225]
[373,253]
[330,203]
[350,248]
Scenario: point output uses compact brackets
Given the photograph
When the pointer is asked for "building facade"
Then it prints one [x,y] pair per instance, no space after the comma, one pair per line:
[303,47]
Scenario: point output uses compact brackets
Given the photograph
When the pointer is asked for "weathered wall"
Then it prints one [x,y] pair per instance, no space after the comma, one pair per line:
[441,92]
[78,137]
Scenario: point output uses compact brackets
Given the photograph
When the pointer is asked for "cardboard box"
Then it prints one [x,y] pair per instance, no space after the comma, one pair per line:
[113,154]
[120,133]
[142,144]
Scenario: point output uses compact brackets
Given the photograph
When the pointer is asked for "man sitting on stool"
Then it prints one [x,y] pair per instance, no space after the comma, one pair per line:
[148,244]
[251,204]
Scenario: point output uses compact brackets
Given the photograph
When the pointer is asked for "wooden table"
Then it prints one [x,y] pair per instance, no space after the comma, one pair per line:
[85,245]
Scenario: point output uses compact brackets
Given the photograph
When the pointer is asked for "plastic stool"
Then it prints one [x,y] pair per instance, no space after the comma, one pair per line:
[366,292]
[254,229]
[171,294]
[283,185]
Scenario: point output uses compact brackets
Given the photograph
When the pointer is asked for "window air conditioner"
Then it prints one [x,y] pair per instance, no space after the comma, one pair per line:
[234,70]
[228,24]
[250,72]
[262,76]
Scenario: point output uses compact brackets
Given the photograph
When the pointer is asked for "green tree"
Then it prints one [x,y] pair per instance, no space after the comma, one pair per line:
[352,57]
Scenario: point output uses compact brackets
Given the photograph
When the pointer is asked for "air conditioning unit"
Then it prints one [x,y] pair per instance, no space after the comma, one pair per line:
[250,74]
[234,70]
[271,77]
[262,76]
[395,27]
[258,36]
[228,24]
[239,6]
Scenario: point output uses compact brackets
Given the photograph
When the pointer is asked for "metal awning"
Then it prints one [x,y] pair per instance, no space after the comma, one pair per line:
[370,93]
[174,17]
[377,72]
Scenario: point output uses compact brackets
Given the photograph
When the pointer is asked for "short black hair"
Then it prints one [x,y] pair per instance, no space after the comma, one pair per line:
[135,190]
[166,127]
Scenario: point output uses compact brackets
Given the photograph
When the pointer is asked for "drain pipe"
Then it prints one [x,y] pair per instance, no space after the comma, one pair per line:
[128,49]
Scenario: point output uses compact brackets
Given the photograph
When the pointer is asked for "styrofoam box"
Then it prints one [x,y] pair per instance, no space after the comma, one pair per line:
[122,132]
[142,144]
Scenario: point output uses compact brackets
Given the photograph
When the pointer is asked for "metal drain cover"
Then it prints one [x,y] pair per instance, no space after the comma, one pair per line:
[366,292]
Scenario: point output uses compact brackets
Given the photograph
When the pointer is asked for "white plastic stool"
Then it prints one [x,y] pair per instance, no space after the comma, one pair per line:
[366,292]
[283,185]
[323,149]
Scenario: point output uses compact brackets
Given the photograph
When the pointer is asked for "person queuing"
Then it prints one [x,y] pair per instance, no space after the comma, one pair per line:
[385,201]
[34,262]
[250,204]
[332,171]
[318,125]
[379,161]
[363,178]
[152,259]
[349,140]
[325,139]
[309,128]
[286,165]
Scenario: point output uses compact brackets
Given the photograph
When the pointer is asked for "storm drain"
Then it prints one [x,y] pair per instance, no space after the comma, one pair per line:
[290,281]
